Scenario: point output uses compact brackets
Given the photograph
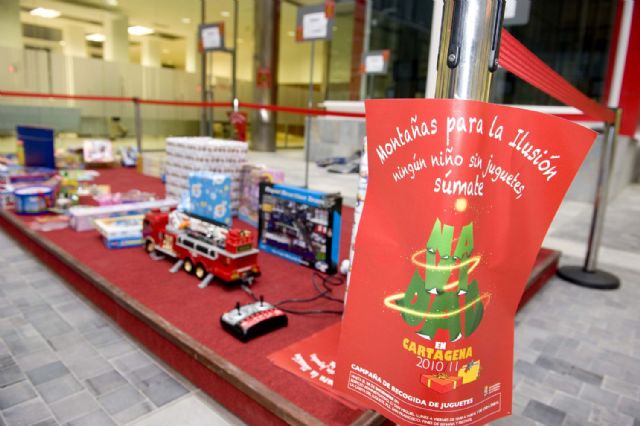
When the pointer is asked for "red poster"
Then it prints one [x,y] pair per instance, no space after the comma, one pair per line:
[460,196]
[313,359]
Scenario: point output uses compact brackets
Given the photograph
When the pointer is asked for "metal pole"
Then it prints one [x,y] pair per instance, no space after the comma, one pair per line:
[366,43]
[203,76]
[469,44]
[588,275]
[371,85]
[234,63]
[138,123]
[307,128]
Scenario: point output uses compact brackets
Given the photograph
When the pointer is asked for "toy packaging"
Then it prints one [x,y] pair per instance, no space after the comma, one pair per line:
[193,154]
[82,217]
[300,225]
[121,232]
[98,151]
[251,177]
[34,199]
[210,196]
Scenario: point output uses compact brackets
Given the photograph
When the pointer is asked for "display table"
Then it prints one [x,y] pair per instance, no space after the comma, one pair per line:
[179,322]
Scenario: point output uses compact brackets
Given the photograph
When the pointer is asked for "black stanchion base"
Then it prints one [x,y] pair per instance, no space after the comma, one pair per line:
[599,280]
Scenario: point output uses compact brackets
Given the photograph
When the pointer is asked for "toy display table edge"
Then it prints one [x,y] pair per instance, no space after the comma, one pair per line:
[154,331]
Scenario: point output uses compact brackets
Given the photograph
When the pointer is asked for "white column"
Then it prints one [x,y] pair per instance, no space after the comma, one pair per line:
[191,52]
[150,52]
[116,45]
[74,41]
[10,24]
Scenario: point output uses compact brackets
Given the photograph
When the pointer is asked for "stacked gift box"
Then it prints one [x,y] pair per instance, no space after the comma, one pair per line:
[186,155]
[153,164]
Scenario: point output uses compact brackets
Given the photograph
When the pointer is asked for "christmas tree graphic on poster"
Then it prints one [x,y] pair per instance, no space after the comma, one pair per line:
[460,196]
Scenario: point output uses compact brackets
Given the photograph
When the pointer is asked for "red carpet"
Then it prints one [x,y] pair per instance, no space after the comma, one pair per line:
[196,312]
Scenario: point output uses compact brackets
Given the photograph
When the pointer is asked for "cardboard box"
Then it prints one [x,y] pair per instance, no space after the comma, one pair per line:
[210,196]
[249,202]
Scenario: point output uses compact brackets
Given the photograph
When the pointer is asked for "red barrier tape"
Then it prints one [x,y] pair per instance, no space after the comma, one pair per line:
[517,59]
[286,109]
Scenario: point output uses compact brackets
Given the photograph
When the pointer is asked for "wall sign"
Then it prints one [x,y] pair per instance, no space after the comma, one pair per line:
[313,23]
[212,37]
[376,62]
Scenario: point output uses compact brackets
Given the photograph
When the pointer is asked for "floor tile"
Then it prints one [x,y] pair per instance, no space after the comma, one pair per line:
[96,418]
[544,413]
[26,414]
[120,399]
[105,382]
[74,407]
[16,394]
[47,372]
[60,388]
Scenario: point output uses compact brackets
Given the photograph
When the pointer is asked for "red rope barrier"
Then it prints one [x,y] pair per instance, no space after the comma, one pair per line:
[517,59]
[278,108]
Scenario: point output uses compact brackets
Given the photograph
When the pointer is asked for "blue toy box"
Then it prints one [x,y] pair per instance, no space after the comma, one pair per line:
[210,196]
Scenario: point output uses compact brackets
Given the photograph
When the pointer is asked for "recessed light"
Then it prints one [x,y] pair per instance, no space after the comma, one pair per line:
[165,51]
[45,13]
[139,30]
[225,13]
[291,33]
[97,37]
[186,20]
[112,2]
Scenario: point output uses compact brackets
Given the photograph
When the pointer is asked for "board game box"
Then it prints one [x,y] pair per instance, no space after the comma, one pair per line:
[300,225]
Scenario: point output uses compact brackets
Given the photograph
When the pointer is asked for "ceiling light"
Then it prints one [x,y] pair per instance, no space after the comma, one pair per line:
[186,20]
[225,13]
[45,13]
[291,33]
[98,38]
[240,40]
[139,30]
[165,51]
[112,2]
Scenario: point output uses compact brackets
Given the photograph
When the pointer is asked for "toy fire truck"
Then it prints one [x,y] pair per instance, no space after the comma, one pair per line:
[202,248]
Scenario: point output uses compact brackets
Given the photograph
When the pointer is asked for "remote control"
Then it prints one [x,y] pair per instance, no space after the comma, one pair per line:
[252,320]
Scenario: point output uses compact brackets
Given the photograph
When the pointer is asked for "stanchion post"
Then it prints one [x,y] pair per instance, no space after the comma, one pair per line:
[469,46]
[589,275]
[137,116]
[204,131]
[234,59]
[307,127]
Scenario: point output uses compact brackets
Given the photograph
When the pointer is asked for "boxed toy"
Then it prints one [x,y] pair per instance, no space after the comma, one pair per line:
[300,225]
[251,176]
[210,196]
[82,217]
[121,232]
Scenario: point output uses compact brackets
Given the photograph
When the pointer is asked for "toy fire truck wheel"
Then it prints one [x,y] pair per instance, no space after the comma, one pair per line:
[149,246]
[200,271]
[188,266]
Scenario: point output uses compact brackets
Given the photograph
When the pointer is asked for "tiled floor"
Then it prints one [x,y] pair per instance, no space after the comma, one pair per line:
[577,353]
[63,362]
